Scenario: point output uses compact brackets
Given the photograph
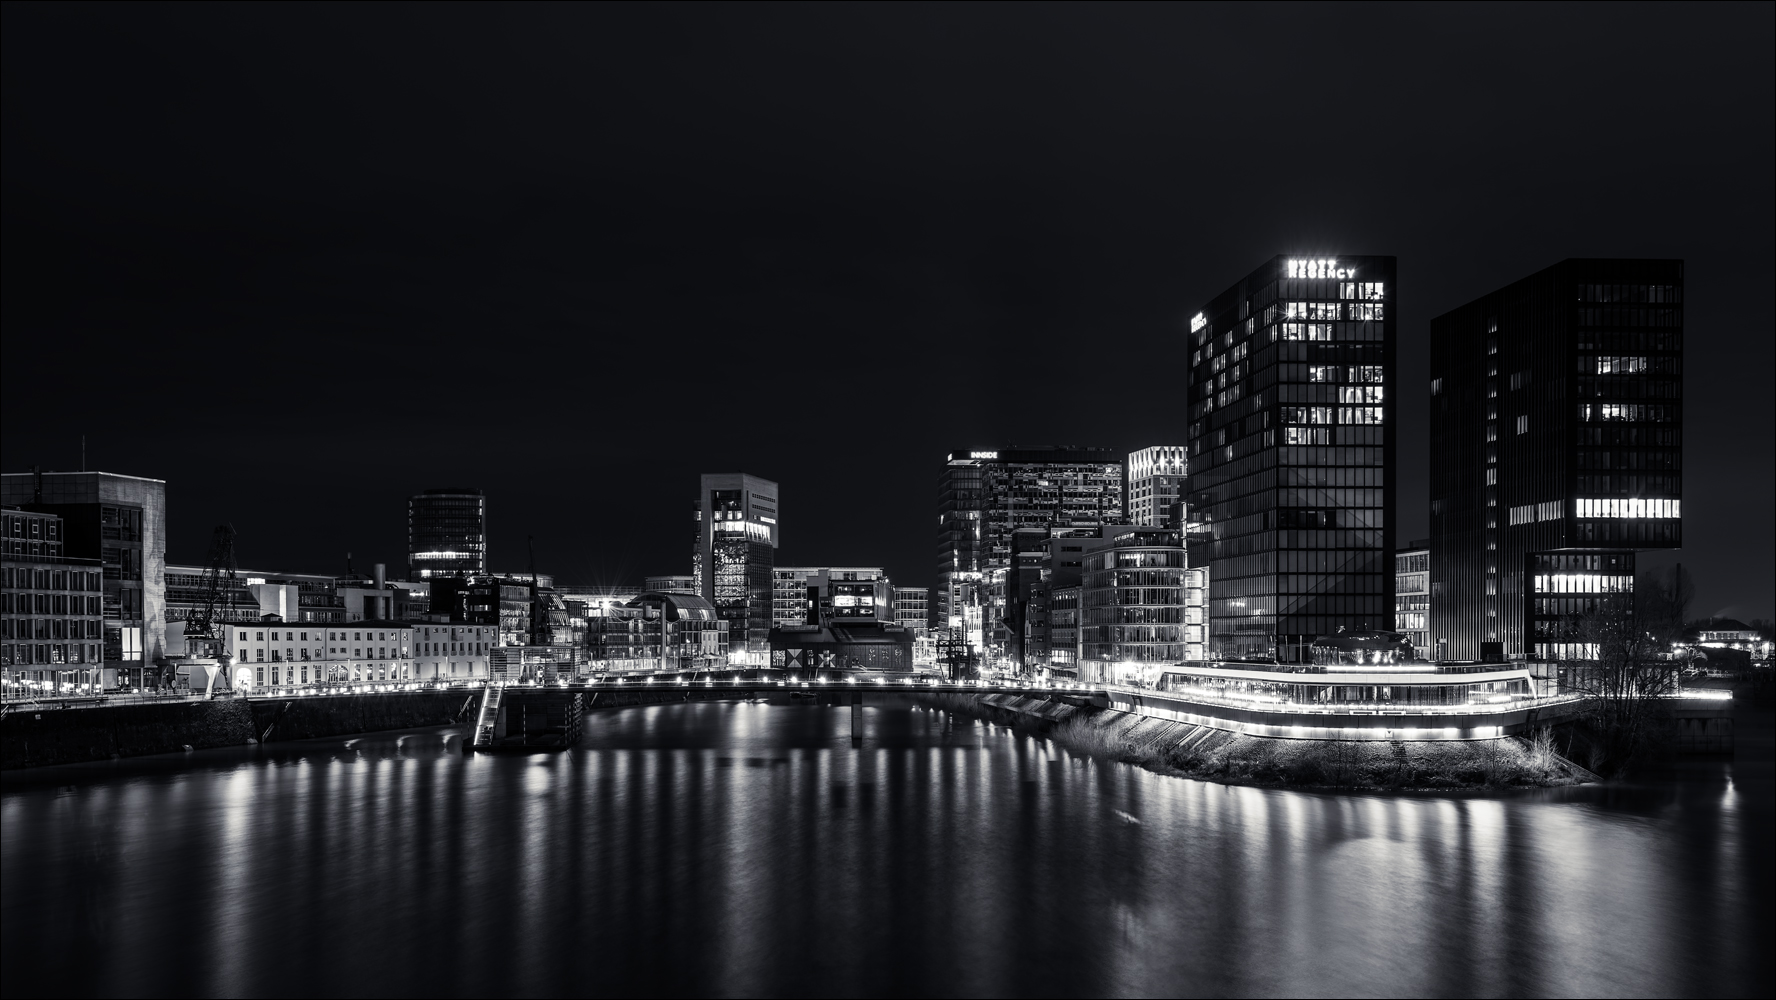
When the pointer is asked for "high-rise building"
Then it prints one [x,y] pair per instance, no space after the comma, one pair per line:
[1556,451]
[446,534]
[737,538]
[1412,595]
[120,521]
[1291,445]
[986,495]
[1153,485]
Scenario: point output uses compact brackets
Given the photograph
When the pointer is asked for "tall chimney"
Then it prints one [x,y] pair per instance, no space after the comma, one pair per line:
[37,493]
[381,571]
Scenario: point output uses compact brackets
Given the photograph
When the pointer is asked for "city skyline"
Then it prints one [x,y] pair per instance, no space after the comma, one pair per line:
[893,500]
[956,298]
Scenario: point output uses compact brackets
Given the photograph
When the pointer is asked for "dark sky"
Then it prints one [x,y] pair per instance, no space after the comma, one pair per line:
[303,261]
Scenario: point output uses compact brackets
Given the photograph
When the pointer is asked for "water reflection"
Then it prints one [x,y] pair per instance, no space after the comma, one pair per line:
[747,848]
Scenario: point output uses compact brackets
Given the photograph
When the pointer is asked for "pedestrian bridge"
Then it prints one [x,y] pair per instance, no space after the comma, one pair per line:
[543,715]
[547,715]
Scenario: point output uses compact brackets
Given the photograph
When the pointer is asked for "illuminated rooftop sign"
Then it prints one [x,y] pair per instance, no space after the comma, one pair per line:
[1197,322]
[1323,268]
[983,454]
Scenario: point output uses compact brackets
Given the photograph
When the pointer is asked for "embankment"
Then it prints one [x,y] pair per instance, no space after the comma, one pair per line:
[1193,751]
[37,738]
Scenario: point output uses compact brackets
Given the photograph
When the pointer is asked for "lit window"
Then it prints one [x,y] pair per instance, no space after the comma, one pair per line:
[1523,424]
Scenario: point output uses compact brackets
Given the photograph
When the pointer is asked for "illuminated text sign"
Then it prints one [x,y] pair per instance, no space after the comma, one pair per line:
[1324,268]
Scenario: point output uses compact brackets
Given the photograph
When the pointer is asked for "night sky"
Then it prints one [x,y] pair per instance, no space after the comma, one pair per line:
[304,261]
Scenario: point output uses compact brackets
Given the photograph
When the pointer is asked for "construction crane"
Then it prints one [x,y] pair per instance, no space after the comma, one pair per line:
[205,628]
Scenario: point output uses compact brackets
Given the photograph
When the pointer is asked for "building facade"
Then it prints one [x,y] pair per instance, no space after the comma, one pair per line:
[1131,604]
[51,609]
[984,497]
[446,533]
[738,531]
[278,655]
[628,639]
[1196,611]
[1556,452]
[912,610]
[120,521]
[1412,595]
[1154,484]
[1291,430]
[676,584]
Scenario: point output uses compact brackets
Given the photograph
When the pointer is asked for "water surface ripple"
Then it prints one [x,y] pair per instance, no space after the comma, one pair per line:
[748,849]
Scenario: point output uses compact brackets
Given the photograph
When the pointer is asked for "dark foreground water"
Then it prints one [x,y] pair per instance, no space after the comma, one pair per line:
[751,849]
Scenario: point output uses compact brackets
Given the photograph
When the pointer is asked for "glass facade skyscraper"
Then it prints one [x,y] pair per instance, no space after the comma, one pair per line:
[1556,452]
[984,497]
[737,537]
[446,534]
[1291,401]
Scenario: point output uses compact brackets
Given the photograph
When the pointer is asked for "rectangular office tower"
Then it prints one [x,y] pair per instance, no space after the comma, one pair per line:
[1291,448]
[983,498]
[1556,451]
[737,536]
[446,534]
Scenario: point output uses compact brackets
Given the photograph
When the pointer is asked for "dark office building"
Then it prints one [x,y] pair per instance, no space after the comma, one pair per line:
[120,521]
[446,534]
[1291,448]
[737,536]
[51,622]
[1556,451]
[984,496]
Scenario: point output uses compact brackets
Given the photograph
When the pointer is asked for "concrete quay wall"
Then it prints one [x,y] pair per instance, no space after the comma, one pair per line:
[33,737]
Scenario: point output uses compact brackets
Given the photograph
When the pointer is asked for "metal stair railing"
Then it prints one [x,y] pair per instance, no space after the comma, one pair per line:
[489,716]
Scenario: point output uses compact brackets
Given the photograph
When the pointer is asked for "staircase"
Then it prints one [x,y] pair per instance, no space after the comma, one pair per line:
[484,723]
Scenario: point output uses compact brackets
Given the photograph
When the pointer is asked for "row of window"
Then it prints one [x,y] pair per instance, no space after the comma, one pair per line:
[48,628]
[51,604]
[55,652]
[25,578]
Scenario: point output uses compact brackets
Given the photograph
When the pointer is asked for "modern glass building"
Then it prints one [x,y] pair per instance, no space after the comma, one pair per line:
[737,537]
[984,497]
[1556,452]
[1291,450]
[446,534]
[1132,604]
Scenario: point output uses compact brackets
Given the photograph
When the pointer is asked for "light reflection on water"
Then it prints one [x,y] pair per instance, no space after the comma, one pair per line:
[752,849]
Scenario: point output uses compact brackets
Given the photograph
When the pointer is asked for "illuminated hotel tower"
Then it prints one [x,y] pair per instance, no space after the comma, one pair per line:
[1291,399]
[1556,451]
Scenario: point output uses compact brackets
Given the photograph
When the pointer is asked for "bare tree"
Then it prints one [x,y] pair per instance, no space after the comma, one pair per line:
[1630,671]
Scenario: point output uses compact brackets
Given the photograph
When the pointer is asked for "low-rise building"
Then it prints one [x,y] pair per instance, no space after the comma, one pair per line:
[627,639]
[274,655]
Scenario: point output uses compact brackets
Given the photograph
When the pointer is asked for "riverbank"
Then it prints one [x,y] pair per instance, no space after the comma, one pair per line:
[39,738]
[1190,751]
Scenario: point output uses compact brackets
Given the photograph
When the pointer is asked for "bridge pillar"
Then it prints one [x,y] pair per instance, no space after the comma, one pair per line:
[857,716]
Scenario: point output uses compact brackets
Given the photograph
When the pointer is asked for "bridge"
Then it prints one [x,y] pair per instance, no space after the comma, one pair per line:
[540,715]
